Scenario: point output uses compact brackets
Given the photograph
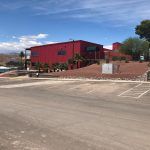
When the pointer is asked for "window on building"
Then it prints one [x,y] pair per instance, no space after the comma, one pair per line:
[34,54]
[61,52]
[92,49]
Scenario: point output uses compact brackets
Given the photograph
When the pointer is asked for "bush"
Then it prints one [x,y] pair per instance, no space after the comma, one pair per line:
[46,67]
[98,62]
[63,66]
[115,58]
[13,64]
[59,66]
[126,61]
[107,61]
[123,58]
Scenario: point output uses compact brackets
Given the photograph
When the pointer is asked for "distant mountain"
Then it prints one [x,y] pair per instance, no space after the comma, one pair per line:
[8,57]
[9,52]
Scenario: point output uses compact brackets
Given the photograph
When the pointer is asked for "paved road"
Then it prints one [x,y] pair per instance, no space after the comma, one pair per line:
[73,115]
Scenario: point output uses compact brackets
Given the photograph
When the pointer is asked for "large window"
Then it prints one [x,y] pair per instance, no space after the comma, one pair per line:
[61,52]
[92,48]
[34,54]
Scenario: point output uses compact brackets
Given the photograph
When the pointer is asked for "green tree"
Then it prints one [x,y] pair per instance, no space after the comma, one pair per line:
[38,66]
[55,66]
[63,66]
[78,58]
[143,30]
[135,47]
[21,55]
[71,61]
[46,67]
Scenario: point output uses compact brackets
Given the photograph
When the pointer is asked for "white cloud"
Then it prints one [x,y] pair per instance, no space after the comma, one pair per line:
[108,47]
[118,12]
[22,42]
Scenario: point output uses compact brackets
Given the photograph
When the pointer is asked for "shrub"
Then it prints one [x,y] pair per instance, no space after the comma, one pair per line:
[123,58]
[63,66]
[114,58]
[107,61]
[98,62]
[126,60]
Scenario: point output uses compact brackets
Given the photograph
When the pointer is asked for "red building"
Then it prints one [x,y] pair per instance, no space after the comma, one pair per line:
[116,46]
[62,52]
[114,52]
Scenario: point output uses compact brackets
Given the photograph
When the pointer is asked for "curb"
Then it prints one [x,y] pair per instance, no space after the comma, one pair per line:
[90,80]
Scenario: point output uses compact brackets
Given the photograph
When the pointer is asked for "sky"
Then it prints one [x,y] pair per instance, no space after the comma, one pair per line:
[26,23]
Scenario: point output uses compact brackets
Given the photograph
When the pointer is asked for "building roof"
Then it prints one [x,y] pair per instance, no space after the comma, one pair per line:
[63,43]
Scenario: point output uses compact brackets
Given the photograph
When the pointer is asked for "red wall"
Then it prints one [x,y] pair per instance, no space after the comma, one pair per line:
[116,46]
[49,53]
[111,54]
[92,55]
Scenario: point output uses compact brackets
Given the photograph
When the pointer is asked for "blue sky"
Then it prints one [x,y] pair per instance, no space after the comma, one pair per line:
[25,23]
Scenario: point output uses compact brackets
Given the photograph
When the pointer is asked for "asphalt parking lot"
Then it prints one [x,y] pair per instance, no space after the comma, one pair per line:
[74,115]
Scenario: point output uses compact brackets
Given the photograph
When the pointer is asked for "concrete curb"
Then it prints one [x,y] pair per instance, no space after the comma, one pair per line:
[86,79]
[79,79]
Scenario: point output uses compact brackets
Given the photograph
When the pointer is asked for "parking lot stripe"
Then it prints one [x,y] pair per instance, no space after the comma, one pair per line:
[31,84]
[143,93]
[136,92]
[78,86]
[91,91]
[130,89]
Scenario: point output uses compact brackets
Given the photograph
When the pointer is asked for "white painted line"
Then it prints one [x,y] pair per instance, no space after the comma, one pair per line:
[90,91]
[55,86]
[112,84]
[143,93]
[130,89]
[130,97]
[75,87]
[31,84]
[134,91]
[78,86]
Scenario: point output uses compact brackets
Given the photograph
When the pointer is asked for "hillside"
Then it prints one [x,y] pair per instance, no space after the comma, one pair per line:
[8,57]
[132,70]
